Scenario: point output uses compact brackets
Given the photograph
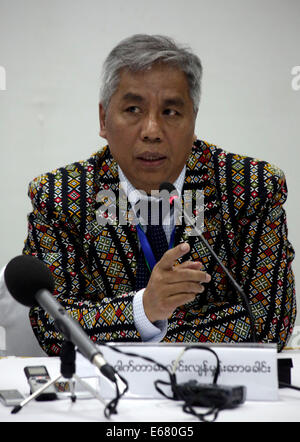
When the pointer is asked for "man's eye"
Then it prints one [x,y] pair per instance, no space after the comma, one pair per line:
[133,109]
[170,112]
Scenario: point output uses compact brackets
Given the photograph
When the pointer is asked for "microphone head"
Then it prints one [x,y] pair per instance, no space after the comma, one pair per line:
[24,276]
[167,186]
[166,189]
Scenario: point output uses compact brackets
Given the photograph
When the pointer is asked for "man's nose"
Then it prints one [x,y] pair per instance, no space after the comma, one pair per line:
[151,129]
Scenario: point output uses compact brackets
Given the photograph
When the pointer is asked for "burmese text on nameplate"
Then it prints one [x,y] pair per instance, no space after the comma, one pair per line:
[251,365]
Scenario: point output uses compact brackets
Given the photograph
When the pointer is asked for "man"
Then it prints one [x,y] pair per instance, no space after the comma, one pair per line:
[148,107]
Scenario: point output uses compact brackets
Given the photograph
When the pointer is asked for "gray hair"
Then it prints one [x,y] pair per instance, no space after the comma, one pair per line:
[141,52]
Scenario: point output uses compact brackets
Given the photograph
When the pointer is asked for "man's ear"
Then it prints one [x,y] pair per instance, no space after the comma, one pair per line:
[102,117]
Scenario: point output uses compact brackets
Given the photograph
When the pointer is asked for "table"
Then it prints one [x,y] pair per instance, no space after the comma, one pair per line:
[286,409]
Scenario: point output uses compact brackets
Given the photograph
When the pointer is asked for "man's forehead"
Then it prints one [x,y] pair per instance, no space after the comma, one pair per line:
[168,81]
[168,99]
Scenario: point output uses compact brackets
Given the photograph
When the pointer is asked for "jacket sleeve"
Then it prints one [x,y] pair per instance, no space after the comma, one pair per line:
[78,287]
[259,257]
[264,264]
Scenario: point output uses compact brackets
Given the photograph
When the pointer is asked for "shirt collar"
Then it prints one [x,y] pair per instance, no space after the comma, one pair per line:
[134,195]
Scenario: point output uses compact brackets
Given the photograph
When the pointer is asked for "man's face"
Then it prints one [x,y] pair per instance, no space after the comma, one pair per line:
[149,125]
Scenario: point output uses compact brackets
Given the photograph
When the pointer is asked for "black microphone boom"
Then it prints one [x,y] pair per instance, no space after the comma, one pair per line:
[171,189]
[30,282]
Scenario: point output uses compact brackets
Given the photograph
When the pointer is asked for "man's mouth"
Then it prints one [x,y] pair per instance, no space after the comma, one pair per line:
[153,158]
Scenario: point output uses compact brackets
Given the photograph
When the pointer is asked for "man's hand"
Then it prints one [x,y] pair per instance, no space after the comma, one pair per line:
[173,285]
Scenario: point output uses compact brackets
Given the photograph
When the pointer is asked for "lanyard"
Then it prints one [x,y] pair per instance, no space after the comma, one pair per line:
[148,253]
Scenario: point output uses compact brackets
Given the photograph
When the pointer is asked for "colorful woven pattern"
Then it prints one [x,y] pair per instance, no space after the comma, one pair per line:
[94,266]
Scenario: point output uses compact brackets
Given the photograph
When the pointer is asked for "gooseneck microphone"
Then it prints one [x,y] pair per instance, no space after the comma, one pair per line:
[31,283]
[170,188]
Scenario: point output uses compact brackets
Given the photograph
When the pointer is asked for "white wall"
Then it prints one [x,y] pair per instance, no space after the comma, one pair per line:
[52,52]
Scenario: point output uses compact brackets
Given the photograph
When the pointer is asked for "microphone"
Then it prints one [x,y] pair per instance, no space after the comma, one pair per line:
[171,189]
[30,282]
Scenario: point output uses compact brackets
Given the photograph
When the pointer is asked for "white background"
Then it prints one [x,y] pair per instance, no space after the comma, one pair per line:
[52,52]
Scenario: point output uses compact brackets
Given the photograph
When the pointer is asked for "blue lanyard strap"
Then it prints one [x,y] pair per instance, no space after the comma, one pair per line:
[148,253]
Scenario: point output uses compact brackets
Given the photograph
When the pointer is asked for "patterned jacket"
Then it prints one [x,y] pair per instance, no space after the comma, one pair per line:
[94,266]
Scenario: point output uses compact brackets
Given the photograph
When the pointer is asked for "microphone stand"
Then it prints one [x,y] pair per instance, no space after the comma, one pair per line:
[237,287]
[67,371]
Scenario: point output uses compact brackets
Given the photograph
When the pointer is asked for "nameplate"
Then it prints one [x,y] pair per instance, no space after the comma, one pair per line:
[251,365]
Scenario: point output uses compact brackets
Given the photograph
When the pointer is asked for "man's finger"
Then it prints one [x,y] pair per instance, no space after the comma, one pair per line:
[170,257]
[188,275]
[194,265]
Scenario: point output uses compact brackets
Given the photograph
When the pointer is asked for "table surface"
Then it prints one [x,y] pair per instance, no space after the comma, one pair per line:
[286,409]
